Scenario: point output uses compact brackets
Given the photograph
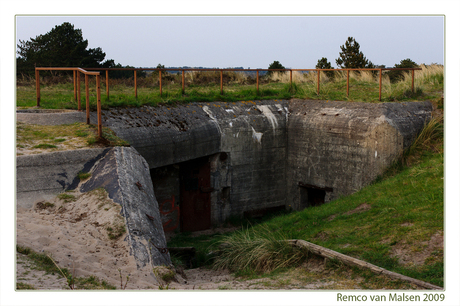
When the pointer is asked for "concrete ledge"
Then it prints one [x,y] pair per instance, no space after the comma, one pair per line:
[124,173]
[41,176]
[52,117]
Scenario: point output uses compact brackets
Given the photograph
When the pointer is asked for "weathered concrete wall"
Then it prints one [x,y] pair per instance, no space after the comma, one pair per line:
[42,176]
[340,147]
[124,173]
[252,134]
[259,152]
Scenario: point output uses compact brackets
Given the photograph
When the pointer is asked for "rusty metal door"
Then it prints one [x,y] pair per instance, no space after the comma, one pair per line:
[195,186]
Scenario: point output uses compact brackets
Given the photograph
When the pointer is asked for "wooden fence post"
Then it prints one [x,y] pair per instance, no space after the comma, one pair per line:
[348,82]
[107,84]
[37,85]
[183,82]
[413,71]
[380,85]
[74,85]
[221,83]
[135,83]
[98,94]
[317,89]
[159,77]
[87,98]
[290,78]
[257,81]
[79,90]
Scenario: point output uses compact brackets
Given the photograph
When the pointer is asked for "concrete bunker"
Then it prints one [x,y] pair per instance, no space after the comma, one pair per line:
[194,166]
[211,161]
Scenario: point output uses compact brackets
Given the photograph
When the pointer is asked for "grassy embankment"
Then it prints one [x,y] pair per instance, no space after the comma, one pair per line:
[204,87]
[395,223]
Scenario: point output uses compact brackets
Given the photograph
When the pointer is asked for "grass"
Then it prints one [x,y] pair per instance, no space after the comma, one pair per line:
[50,138]
[404,210]
[84,175]
[67,197]
[205,87]
[259,251]
[116,231]
[44,262]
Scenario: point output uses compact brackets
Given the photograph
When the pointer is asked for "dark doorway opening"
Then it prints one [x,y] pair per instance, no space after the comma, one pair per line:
[311,195]
[195,195]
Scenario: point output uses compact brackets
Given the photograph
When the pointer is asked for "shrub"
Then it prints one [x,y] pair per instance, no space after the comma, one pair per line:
[260,250]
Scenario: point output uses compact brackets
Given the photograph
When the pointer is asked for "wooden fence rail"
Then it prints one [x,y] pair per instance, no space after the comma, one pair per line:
[318,71]
[76,86]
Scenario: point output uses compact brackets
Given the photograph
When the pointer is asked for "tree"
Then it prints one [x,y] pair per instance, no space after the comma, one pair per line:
[275,65]
[324,64]
[63,46]
[351,57]
[397,75]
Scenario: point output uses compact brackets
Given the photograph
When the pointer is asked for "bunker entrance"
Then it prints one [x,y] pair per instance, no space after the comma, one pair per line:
[183,192]
[195,195]
[311,195]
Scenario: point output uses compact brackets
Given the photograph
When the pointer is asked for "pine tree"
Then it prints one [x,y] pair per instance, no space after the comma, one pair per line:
[351,57]
[324,64]
[275,65]
[398,75]
[63,46]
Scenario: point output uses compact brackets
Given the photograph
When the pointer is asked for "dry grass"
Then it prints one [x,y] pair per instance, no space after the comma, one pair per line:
[261,251]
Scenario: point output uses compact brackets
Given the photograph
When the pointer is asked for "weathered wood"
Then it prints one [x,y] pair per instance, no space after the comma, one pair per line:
[330,254]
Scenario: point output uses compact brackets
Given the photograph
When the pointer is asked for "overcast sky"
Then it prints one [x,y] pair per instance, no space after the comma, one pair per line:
[243,41]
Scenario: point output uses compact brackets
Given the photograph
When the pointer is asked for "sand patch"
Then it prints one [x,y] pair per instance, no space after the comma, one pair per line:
[79,235]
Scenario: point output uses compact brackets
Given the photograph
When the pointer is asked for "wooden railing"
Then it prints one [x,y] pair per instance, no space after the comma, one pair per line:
[183,70]
[77,93]
[91,71]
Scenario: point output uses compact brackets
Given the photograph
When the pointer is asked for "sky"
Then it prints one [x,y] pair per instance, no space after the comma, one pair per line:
[296,33]
[249,41]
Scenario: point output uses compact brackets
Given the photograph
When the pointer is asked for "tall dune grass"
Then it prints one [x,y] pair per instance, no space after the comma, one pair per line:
[260,250]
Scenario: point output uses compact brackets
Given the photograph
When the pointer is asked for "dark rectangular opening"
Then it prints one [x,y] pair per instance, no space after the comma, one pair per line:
[259,213]
[311,195]
[195,197]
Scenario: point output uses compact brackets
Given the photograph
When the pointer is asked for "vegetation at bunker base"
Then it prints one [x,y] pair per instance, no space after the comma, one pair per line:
[398,214]
[44,262]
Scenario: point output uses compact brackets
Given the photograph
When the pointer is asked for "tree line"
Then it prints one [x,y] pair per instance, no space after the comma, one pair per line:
[351,57]
[64,46]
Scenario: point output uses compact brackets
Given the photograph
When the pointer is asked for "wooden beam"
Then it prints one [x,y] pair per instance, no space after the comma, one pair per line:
[330,254]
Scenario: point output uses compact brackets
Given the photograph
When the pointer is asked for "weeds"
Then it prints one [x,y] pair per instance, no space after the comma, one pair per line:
[123,287]
[116,230]
[67,275]
[260,250]
[23,286]
[44,146]
[428,138]
[46,263]
[63,137]
[84,175]
[66,197]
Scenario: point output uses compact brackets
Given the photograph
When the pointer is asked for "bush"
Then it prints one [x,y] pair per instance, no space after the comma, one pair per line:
[261,250]
[398,75]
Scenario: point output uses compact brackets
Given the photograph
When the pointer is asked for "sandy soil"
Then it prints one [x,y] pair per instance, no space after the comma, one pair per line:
[75,234]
